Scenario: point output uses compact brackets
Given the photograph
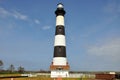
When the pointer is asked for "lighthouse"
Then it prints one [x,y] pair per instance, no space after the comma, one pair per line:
[59,66]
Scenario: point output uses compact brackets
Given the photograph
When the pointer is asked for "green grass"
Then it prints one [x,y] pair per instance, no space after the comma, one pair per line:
[44,78]
[40,77]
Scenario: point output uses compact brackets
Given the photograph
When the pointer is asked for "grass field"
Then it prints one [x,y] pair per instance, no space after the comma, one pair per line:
[10,77]
[38,78]
[31,78]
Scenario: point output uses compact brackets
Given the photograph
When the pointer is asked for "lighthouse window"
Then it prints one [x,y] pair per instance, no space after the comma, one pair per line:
[60,49]
[60,29]
[59,68]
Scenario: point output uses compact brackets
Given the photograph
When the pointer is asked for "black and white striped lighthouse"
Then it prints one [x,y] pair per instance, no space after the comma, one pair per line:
[59,66]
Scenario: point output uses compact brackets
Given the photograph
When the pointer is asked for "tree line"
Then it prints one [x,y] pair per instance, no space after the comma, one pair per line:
[11,68]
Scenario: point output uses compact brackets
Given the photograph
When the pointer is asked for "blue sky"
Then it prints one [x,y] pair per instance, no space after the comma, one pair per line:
[27,31]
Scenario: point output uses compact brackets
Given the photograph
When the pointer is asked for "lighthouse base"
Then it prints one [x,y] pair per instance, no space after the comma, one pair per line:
[59,73]
[59,67]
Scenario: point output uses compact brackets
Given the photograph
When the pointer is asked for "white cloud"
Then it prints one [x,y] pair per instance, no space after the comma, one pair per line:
[46,27]
[3,12]
[112,7]
[15,14]
[109,49]
[112,11]
[18,15]
[37,21]
[111,16]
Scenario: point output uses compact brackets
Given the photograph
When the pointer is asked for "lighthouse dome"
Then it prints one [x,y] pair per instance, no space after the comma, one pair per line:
[60,5]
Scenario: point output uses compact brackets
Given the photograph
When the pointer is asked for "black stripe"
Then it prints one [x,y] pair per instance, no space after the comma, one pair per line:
[60,30]
[59,51]
[60,11]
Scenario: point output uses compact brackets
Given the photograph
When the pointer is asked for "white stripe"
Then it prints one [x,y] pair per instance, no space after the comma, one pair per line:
[60,40]
[59,61]
[60,20]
